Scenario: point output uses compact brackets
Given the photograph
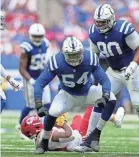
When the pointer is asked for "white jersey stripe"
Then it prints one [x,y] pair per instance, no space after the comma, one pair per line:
[122,27]
[25,47]
[55,63]
[95,59]
[90,29]
[127,28]
[91,58]
[93,27]
[51,65]
[28,44]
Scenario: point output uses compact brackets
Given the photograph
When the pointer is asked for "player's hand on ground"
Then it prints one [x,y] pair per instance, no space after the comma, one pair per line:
[130,70]
[103,100]
[16,85]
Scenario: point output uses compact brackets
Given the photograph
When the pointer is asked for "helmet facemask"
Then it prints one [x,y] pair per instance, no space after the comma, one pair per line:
[36,39]
[73,59]
[104,25]
[104,18]
[73,51]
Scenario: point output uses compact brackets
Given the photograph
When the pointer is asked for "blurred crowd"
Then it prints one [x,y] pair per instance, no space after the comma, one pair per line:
[78,16]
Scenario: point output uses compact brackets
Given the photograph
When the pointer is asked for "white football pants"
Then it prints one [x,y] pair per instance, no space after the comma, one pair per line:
[63,101]
[118,81]
[29,95]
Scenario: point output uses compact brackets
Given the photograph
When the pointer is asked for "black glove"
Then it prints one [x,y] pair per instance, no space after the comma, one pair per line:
[104,100]
[41,110]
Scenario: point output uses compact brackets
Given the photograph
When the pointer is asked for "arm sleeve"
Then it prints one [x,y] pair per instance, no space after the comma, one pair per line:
[103,79]
[93,47]
[132,40]
[3,72]
[46,76]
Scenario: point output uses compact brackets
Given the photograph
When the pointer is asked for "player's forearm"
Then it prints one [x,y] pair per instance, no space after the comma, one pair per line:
[68,130]
[136,57]
[43,80]
[3,72]
[25,74]
[103,79]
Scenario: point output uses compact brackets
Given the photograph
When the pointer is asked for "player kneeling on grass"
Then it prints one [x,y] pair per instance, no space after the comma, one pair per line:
[74,68]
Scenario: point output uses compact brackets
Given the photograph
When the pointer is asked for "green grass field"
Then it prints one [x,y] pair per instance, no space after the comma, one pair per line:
[114,142]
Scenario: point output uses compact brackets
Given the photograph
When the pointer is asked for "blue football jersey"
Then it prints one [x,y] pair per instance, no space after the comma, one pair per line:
[76,80]
[36,57]
[113,45]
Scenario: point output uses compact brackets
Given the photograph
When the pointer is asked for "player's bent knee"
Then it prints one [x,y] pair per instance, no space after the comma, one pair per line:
[55,112]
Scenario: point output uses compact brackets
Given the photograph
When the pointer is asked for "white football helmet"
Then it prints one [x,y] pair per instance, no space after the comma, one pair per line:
[36,33]
[104,18]
[73,49]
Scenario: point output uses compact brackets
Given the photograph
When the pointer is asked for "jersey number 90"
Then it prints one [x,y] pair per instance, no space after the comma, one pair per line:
[106,49]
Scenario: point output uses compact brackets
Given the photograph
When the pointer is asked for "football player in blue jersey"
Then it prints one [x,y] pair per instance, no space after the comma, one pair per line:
[32,63]
[74,68]
[119,43]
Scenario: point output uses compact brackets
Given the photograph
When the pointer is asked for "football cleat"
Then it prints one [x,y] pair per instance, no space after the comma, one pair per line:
[91,143]
[119,116]
[83,148]
[43,147]
[95,146]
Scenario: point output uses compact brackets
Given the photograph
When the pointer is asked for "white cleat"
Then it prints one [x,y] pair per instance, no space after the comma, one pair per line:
[119,116]
[95,146]
[82,149]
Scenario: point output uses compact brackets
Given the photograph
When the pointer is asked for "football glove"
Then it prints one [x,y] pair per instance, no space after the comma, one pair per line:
[41,110]
[61,120]
[104,100]
[130,69]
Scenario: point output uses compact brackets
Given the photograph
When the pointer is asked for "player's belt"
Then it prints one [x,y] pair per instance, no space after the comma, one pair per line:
[119,70]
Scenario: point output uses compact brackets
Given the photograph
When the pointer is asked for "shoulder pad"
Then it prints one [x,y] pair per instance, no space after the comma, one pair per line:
[53,63]
[47,42]
[91,29]
[125,27]
[27,46]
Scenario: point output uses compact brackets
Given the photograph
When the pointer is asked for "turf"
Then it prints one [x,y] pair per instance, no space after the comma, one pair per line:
[115,142]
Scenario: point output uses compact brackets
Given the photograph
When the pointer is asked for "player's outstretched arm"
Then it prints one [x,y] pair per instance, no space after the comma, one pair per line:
[43,80]
[103,79]
[15,85]
[132,40]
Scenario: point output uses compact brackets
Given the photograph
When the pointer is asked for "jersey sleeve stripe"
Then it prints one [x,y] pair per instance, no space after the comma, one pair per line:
[91,58]
[122,27]
[25,47]
[95,59]
[55,63]
[93,27]
[90,29]
[51,65]
[28,45]
[127,28]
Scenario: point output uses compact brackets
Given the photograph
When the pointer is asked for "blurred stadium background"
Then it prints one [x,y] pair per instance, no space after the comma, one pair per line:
[61,18]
